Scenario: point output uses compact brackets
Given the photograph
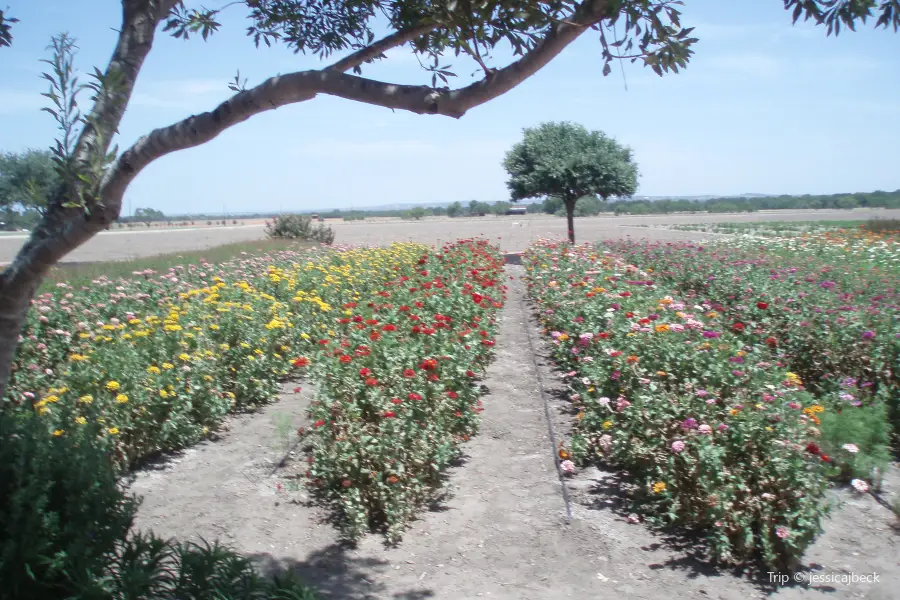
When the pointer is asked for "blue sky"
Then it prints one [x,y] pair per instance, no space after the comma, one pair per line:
[763,107]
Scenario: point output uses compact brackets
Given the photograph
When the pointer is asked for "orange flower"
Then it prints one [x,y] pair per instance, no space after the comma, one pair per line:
[632,359]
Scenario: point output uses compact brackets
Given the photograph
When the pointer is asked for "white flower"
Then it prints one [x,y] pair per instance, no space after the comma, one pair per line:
[860,486]
[851,448]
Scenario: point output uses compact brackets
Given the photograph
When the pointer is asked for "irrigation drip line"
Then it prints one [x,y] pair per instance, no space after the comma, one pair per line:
[550,429]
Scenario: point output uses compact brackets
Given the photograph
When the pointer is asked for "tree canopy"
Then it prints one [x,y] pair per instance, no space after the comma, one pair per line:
[27,180]
[567,161]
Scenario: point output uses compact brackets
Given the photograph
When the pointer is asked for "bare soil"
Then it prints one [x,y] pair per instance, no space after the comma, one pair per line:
[502,529]
[511,233]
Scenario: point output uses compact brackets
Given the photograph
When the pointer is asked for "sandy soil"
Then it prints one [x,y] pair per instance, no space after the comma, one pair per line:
[512,233]
[502,529]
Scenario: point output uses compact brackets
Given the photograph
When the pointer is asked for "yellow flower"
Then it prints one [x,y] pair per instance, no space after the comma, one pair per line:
[77,357]
[659,487]
[113,431]
[86,399]
[121,398]
[59,432]
[163,394]
[154,370]
[112,385]
[80,420]
[168,365]
[607,424]
[184,356]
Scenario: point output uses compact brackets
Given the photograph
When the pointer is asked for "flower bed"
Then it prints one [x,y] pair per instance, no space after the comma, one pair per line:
[831,305]
[160,359]
[709,426]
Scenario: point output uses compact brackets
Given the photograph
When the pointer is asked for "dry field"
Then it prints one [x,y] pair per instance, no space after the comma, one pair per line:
[513,233]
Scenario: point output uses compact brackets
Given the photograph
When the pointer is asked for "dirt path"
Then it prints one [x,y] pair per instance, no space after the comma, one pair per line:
[501,533]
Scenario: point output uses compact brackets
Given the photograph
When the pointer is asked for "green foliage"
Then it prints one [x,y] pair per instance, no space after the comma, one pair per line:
[454,210]
[148,215]
[66,521]
[62,510]
[858,439]
[6,29]
[566,161]
[299,227]
[27,180]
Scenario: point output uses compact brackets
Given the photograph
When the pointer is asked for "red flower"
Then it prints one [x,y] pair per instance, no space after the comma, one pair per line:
[825,458]
[345,358]
[414,396]
[428,364]
[301,361]
[762,305]
[477,298]
[488,342]
[374,336]
[409,373]
[396,401]
[357,319]
[297,389]
[390,327]
[371,381]
[318,423]
[452,394]
[812,448]
[738,327]
[364,372]
[346,483]
[629,314]
[389,414]
[771,342]
[470,373]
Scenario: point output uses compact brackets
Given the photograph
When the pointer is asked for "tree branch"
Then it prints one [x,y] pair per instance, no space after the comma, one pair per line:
[305,85]
[371,51]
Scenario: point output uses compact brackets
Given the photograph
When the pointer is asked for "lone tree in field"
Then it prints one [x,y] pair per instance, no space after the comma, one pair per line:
[568,161]
[94,175]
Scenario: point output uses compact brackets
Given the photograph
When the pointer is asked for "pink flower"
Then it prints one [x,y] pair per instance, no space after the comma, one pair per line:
[605,443]
[567,466]
[704,429]
[677,446]
[860,486]
[782,532]
[633,518]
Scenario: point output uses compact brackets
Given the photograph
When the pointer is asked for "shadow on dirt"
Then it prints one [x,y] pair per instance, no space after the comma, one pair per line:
[687,549]
[334,573]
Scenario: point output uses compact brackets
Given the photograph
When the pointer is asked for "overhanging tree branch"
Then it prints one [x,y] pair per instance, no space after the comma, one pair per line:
[372,51]
[305,85]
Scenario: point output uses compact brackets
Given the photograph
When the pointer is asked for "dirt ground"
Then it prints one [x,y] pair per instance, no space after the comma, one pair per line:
[502,530]
[512,233]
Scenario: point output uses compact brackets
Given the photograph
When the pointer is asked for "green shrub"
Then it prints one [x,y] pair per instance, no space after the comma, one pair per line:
[858,439]
[299,227]
[66,519]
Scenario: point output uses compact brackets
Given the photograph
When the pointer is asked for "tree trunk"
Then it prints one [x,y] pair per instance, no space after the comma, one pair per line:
[570,218]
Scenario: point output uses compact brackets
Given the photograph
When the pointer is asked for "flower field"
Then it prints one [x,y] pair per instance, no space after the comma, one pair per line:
[392,339]
[715,374]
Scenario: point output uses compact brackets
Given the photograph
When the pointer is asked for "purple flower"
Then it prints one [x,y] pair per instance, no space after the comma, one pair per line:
[711,334]
[689,423]
[722,427]
[868,335]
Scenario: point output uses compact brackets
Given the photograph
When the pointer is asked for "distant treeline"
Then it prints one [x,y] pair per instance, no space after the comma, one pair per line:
[586,206]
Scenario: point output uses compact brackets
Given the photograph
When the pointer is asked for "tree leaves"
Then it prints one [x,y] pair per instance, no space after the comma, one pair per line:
[6,30]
